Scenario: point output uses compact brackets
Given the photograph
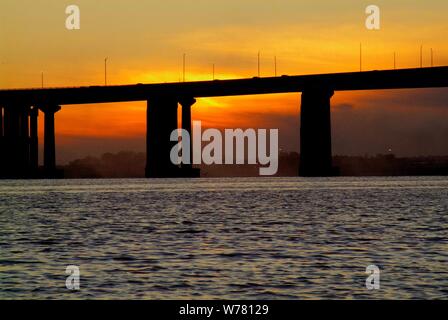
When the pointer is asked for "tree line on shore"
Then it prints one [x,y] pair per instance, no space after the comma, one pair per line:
[130,164]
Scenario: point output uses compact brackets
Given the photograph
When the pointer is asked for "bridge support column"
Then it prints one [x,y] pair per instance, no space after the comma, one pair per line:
[186,104]
[315,133]
[25,141]
[34,142]
[11,134]
[187,169]
[50,141]
[15,145]
[2,143]
[1,122]
[161,121]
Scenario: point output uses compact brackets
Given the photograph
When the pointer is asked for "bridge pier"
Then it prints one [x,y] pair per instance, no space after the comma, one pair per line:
[315,132]
[24,141]
[15,142]
[161,116]
[50,141]
[187,103]
[1,122]
[34,141]
[11,137]
[19,142]
[2,143]
[187,169]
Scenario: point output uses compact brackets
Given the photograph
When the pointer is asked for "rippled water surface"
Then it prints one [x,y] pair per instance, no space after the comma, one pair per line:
[275,238]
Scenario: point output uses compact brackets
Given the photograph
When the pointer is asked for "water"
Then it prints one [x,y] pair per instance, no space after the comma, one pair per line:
[263,238]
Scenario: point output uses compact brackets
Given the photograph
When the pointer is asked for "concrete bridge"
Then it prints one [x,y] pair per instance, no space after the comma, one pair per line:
[19,111]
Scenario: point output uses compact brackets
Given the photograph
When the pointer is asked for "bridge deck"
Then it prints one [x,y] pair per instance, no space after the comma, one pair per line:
[369,80]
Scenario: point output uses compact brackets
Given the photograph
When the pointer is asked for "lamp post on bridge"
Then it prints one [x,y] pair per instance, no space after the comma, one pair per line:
[105,71]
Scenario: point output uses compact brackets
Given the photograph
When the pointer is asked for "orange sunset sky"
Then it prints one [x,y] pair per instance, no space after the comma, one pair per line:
[144,41]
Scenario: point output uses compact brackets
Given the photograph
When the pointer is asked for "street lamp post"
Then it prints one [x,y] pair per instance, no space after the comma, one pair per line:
[105,72]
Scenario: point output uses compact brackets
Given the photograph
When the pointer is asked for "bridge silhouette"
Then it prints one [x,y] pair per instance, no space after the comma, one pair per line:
[19,112]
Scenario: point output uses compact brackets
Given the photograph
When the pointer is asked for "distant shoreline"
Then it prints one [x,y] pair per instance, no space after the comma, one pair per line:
[129,164]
